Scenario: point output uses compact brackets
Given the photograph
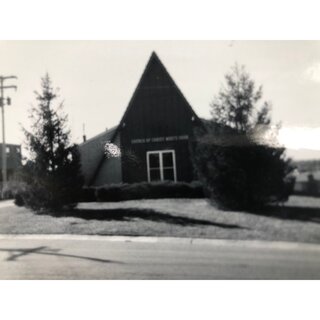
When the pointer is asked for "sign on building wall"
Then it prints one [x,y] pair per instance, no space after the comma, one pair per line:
[160,139]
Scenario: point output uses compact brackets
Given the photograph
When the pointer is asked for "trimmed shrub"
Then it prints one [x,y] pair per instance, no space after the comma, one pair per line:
[110,193]
[243,175]
[142,190]
[88,194]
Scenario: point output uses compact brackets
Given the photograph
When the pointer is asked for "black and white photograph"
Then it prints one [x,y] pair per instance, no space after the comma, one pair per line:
[160,160]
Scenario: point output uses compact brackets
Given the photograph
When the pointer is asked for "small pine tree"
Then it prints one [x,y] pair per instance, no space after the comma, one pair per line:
[239,168]
[52,173]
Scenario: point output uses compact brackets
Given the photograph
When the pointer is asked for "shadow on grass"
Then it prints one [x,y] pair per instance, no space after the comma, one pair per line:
[14,254]
[290,213]
[145,214]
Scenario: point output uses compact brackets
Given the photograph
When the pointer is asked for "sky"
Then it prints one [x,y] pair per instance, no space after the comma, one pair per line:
[97,79]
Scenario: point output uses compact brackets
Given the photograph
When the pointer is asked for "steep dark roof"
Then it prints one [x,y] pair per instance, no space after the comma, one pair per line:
[106,135]
[92,151]
[154,60]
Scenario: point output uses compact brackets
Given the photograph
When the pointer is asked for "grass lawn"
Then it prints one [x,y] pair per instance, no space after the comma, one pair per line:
[297,220]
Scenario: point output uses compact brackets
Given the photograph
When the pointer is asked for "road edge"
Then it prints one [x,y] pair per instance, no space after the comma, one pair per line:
[144,239]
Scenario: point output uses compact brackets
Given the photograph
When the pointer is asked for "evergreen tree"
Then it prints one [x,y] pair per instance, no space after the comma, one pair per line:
[52,173]
[239,167]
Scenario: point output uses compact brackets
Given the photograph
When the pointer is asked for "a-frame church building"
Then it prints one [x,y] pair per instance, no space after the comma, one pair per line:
[152,140]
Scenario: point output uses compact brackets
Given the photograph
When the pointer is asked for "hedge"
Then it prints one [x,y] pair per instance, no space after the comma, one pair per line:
[142,190]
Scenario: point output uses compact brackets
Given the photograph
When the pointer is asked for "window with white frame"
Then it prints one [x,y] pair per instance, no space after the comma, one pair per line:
[161,165]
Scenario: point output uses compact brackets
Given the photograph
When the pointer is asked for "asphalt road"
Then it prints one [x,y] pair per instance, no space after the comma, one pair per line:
[94,257]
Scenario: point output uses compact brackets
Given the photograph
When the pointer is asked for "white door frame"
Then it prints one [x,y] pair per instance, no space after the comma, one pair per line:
[160,152]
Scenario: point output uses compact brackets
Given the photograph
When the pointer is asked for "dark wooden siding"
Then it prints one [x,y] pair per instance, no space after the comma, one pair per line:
[134,166]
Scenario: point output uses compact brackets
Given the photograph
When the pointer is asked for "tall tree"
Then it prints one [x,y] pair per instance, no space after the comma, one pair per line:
[237,104]
[52,172]
[240,166]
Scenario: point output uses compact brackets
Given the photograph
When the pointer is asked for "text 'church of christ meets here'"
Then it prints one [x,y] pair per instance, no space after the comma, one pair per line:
[152,140]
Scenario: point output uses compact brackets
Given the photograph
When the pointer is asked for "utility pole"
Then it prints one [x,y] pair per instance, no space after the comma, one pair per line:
[2,104]
[84,132]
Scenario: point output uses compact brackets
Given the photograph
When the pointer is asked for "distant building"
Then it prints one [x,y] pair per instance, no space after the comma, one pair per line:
[307,165]
[13,153]
[308,183]
[151,142]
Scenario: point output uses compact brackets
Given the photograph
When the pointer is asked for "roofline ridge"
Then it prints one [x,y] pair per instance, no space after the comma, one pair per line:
[98,135]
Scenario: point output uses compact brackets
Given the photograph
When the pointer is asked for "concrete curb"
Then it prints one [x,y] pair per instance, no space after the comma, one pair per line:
[188,241]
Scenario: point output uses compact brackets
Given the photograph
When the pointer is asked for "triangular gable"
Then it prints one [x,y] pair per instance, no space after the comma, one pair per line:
[155,75]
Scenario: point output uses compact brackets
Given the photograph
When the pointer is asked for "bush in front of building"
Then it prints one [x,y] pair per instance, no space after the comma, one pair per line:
[242,177]
[142,190]
[237,155]
[88,194]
